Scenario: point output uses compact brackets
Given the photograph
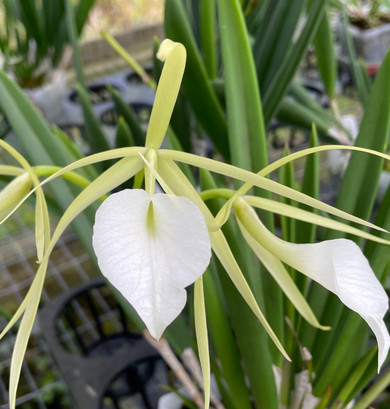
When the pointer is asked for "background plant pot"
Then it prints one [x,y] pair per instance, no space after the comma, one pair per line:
[384,182]
[170,401]
[370,45]
[50,96]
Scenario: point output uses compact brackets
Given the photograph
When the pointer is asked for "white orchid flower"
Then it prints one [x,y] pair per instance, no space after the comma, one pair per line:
[338,265]
[150,247]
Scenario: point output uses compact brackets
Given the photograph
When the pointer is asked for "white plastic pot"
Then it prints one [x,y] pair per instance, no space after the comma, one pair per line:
[49,97]
[371,45]
[170,401]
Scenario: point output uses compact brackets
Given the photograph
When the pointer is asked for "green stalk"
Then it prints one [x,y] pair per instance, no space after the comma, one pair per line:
[353,379]
[208,36]
[72,32]
[196,86]
[272,95]
[374,391]
[325,53]
[247,138]
[224,344]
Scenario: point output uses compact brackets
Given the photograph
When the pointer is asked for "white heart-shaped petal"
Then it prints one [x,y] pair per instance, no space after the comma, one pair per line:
[151,266]
[340,266]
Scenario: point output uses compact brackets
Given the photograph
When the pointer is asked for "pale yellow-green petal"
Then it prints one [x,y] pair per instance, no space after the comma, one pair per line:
[12,151]
[96,158]
[24,333]
[76,178]
[224,213]
[174,55]
[42,223]
[281,276]
[89,160]
[129,59]
[305,152]
[226,257]
[9,170]
[262,182]
[202,338]
[309,217]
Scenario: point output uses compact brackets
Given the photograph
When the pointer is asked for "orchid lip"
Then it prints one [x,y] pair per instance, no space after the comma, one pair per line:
[150,247]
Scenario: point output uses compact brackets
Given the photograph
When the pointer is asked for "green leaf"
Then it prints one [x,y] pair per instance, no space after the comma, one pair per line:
[247,139]
[96,138]
[275,39]
[73,37]
[358,70]
[305,232]
[293,112]
[326,60]
[129,116]
[124,137]
[82,10]
[208,36]
[281,79]
[196,86]
[224,344]
[286,177]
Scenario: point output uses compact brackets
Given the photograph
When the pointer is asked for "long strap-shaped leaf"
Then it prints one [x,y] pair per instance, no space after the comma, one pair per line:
[244,113]
[273,41]
[277,88]
[196,85]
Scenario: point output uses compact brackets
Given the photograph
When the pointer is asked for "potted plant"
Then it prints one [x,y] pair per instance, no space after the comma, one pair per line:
[369,28]
[34,44]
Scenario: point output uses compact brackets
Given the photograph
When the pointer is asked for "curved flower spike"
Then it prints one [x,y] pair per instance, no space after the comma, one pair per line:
[150,247]
[339,265]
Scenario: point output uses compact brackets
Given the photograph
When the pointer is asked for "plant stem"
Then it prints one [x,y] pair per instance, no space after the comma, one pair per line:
[169,357]
[374,391]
